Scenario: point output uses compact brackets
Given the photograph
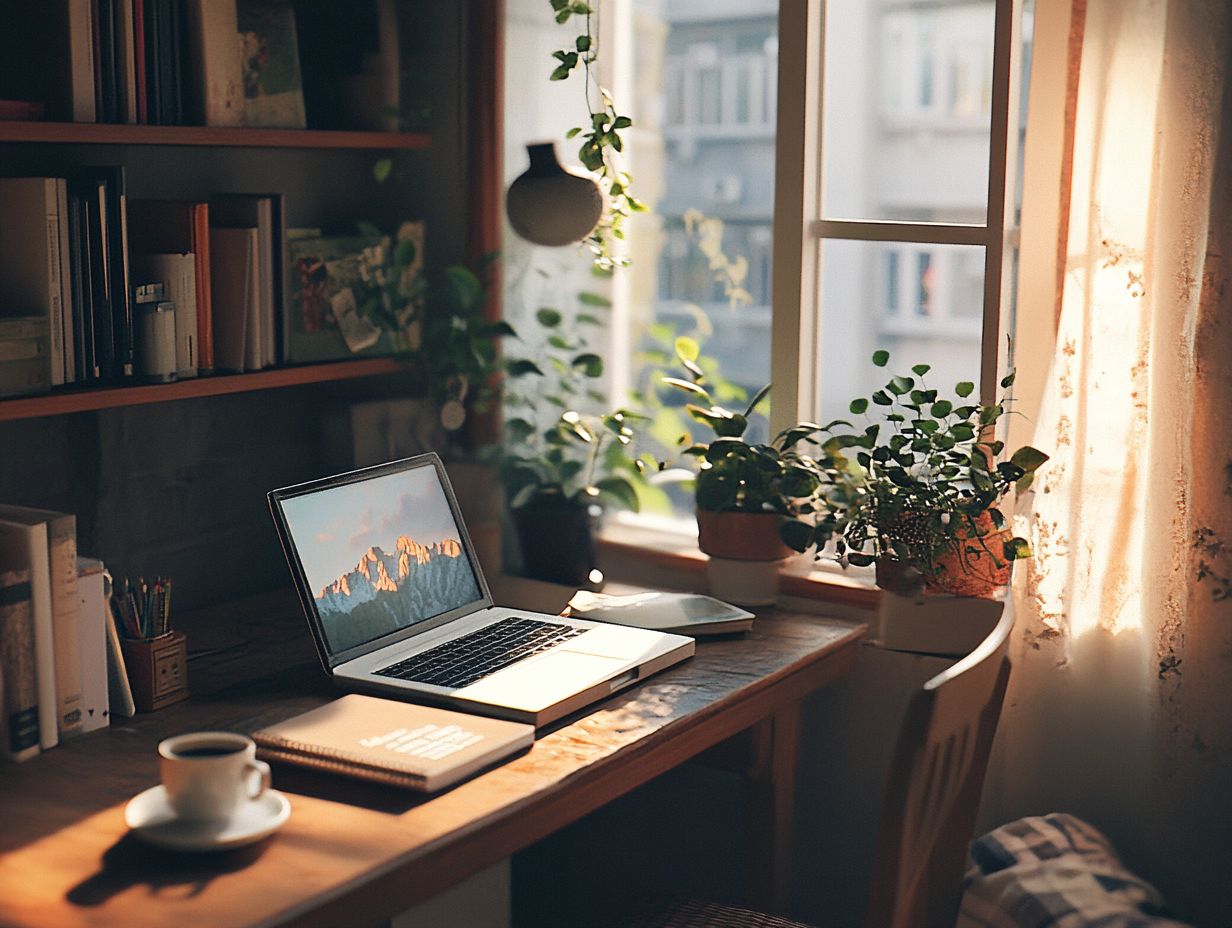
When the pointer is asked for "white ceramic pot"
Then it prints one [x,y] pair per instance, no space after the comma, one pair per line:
[745,583]
[936,624]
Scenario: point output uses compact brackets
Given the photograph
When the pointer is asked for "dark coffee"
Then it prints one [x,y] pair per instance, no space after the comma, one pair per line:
[210,750]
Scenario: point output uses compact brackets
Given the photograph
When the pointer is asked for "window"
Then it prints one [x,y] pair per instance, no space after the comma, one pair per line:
[890,230]
[860,209]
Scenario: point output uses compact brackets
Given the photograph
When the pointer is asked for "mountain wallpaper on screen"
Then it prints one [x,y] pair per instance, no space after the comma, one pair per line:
[388,591]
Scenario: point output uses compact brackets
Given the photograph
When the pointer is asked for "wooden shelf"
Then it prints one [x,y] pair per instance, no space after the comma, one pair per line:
[92,399]
[111,134]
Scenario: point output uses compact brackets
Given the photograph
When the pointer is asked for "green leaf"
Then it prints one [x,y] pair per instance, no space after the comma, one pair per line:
[557,341]
[757,398]
[687,387]
[586,319]
[519,429]
[860,560]
[687,349]
[900,385]
[964,388]
[1028,458]
[622,122]
[921,369]
[1008,379]
[619,490]
[382,169]
[881,398]
[795,534]
[583,43]
[548,318]
[881,358]
[573,132]
[587,298]
[1017,548]
[522,366]
[589,363]
[941,409]
[859,406]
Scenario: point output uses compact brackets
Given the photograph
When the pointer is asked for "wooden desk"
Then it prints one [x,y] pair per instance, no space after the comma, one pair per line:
[355,854]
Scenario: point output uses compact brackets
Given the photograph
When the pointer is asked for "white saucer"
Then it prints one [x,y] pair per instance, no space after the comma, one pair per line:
[153,820]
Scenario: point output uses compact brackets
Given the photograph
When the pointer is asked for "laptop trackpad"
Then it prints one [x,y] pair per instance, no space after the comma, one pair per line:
[536,684]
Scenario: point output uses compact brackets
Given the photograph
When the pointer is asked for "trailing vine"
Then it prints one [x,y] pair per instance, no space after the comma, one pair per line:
[601,138]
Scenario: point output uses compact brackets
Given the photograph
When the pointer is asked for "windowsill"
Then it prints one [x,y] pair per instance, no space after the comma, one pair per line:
[657,555]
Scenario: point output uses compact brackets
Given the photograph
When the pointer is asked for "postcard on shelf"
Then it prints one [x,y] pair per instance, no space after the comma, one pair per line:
[269,64]
[678,613]
[401,744]
[353,296]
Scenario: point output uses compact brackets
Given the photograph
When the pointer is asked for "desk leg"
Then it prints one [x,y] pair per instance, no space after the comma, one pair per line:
[772,809]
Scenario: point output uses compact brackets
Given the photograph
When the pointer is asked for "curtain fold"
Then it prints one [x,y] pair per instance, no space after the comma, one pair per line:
[1120,708]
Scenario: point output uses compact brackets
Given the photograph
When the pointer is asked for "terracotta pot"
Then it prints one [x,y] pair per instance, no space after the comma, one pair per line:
[974,565]
[741,536]
[957,571]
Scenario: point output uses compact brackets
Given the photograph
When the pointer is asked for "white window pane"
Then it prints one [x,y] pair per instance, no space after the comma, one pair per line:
[908,91]
[922,303]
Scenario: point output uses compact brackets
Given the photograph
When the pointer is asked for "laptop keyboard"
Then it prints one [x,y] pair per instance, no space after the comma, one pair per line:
[478,654]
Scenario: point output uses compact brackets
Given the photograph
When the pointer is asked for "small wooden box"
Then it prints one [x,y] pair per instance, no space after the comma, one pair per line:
[157,670]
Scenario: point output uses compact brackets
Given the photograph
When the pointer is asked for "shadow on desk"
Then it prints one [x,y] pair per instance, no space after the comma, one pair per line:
[129,863]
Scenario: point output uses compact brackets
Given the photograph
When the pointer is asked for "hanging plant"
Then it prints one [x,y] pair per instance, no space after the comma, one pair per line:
[601,138]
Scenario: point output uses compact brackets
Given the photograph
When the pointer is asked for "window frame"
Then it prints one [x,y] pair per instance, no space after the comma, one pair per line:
[800,227]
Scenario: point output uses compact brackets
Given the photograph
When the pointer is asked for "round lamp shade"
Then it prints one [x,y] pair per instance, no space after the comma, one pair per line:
[551,204]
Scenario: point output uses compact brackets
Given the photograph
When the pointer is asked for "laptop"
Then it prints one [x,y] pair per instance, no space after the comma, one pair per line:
[399,607]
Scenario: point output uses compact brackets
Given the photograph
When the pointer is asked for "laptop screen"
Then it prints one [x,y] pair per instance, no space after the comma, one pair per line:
[380,554]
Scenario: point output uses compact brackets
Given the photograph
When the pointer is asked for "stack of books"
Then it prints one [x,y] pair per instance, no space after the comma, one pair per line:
[61,669]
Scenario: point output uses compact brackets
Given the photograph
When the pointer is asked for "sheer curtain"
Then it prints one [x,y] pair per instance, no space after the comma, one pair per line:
[1120,709]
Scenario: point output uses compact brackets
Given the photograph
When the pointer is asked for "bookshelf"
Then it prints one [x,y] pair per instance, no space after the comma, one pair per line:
[89,399]
[117,134]
[164,485]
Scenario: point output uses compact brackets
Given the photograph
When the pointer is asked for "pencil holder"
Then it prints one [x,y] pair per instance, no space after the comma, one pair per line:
[157,669]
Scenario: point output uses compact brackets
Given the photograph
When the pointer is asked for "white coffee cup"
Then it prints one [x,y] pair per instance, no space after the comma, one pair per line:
[208,774]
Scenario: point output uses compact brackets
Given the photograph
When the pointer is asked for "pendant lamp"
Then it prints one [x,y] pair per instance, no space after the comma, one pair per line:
[550,204]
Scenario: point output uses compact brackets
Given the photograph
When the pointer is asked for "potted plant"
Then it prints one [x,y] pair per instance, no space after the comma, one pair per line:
[917,491]
[562,467]
[745,491]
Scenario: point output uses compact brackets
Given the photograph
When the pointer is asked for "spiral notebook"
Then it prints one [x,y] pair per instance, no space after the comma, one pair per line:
[398,743]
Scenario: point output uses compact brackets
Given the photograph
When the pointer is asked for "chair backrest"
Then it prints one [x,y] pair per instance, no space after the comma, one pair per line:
[933,793]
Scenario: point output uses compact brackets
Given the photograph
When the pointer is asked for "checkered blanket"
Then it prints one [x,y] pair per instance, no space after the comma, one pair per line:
[1055,871]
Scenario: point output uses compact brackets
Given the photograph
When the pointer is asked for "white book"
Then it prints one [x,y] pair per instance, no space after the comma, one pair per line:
[24,547]
[178,274]
[119,689]
[217,62]
[92,595]
[30,258]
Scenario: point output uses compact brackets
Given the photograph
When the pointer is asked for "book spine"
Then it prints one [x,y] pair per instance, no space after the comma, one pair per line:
[77,295]
[55,294]
[104,343]
[81,209]
[81,61]
[218,79]
[65,622]
[105,60]
[19,696]
[92,603]
[25,547]
[139,62]
[205,308]
[122,287]
[125,61]
[270,752]
[66,282]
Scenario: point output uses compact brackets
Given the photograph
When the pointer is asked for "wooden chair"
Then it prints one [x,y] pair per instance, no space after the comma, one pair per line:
[928,816]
